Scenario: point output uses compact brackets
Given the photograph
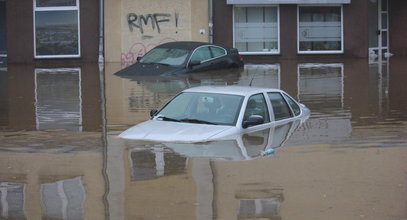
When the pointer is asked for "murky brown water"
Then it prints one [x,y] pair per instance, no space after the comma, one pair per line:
[60,157]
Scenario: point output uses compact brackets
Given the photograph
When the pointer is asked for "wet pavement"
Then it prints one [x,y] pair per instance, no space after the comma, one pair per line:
[60,157]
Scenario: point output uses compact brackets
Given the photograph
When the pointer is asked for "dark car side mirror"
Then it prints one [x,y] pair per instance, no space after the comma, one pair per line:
[138,59]
[253,120]
[153,112]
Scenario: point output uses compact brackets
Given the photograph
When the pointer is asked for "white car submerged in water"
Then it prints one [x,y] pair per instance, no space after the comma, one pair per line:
[209,113]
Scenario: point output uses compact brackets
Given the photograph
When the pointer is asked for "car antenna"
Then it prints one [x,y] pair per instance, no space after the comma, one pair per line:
[254,74]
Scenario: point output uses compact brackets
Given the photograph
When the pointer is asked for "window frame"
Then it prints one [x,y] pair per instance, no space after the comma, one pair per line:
[278,30]
[54,9]
[199,48]
[210,51]
[319,51]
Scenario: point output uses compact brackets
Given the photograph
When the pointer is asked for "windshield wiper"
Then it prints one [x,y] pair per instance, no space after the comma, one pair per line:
[191,120]
[164,64]
[168,119]
[156,63]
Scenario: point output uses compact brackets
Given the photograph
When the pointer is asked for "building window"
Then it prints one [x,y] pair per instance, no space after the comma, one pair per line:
[256,30]
[56,29]
[320,29]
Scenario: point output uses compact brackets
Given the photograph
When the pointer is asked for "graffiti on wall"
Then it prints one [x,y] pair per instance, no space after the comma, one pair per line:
[150,21]
[138,49]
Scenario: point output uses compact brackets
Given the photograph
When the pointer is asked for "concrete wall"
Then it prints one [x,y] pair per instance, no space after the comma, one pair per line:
[134,27]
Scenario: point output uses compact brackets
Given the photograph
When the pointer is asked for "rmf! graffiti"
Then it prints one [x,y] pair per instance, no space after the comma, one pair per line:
[140,21]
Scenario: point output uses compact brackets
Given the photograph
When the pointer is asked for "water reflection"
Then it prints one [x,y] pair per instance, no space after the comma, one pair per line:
[260,204]
[245,147]
[155,162]
[63,199]
[138,95]
[58,99]
[321,85]
[352,148]
[149,161]
[340,94]
[50,143]
[12,202]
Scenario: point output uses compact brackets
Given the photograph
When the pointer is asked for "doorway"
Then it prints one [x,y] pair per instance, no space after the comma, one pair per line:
[378,30]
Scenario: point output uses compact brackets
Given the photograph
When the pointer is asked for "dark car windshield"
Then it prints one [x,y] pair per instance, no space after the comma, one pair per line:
[202,108]
[168,56]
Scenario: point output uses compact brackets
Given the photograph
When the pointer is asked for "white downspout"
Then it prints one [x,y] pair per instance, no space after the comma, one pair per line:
[101,32]
[210,20]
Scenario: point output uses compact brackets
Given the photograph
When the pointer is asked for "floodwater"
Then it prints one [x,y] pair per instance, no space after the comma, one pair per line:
[60,157]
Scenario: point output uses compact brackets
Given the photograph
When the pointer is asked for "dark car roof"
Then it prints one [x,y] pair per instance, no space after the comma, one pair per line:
[189,45]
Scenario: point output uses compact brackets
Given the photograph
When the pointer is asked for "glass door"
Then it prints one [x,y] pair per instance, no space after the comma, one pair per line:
[378,31]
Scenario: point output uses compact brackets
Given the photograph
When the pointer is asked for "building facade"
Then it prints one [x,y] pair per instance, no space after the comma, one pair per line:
[42,31]
[295,29]
[65,31]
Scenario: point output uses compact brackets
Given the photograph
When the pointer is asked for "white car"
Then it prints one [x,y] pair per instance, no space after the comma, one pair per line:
[209,113]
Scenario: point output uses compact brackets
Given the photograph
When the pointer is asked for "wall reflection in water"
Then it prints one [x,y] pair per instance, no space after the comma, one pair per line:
[58,99]
[128,99]
[12,200]
[266,205]
[321,88]
[321,84]
[63,199]
[231,179]
[152,163]
[51,98]
[51,143]
[60,154]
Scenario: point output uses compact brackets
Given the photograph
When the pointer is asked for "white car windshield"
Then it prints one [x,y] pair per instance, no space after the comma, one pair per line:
[203,108]
[166,56]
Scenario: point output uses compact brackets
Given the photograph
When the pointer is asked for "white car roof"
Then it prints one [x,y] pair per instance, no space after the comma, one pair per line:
[231,90]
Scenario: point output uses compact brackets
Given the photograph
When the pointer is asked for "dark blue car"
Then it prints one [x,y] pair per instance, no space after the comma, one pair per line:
[183,57]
